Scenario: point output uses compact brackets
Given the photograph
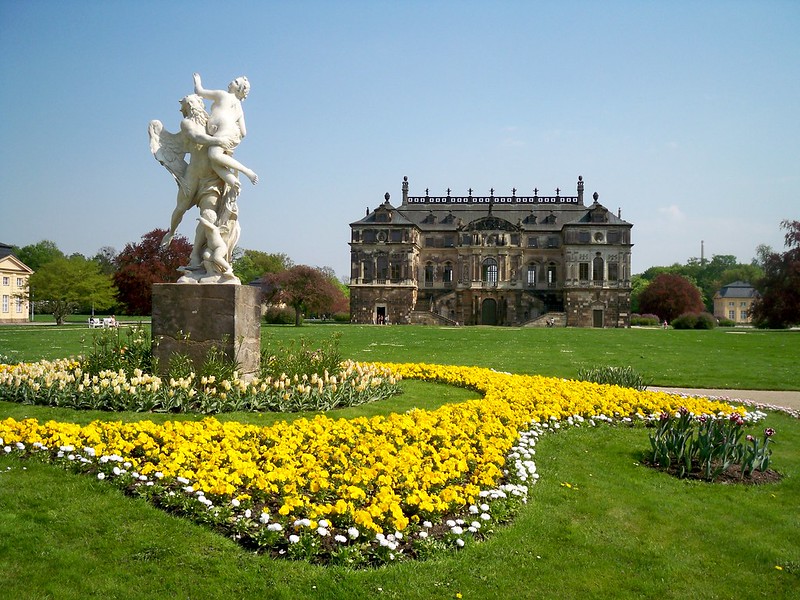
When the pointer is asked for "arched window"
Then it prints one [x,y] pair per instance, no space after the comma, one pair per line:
[531,276]
[383,267]
[429,274]
[447,274]
[489,270]
[597,268]
[552,274]
[368,265]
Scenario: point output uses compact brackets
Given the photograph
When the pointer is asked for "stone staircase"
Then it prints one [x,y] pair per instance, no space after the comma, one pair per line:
[559,320]
[426,317]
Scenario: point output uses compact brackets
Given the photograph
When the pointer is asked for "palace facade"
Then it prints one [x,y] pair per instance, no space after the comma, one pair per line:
[491,260]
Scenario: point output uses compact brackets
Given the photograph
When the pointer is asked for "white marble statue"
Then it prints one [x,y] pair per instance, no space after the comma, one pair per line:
[210,179]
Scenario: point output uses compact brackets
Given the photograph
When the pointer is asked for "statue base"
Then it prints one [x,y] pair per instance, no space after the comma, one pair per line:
[203,277]
[192,319]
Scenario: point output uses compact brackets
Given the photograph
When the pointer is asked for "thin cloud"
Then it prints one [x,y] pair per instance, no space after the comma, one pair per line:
[672,212]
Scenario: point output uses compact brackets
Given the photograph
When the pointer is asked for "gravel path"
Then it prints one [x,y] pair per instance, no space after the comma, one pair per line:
[785,399]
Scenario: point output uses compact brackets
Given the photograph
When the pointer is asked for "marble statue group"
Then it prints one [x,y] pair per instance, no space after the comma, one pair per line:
[210,179]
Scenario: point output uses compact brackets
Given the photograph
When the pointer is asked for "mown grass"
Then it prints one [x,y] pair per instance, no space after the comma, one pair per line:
[720,358]
[619,530]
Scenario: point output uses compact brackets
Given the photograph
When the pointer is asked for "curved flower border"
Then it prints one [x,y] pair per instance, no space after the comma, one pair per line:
[359,491]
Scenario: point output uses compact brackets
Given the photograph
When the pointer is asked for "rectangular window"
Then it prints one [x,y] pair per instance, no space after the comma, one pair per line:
[613,271]
[533,242]
[583,271]
[19,282]
[396,235]
[552,242]
[447,275]
[466,239]
[614,237]
[744,315]
[551,274]
[449,241]
[531,275]
[19,305]
[5,281]
[732,315]
[5,303]
[583,237]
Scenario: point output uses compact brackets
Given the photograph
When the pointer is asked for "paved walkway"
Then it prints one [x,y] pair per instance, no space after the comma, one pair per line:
[787,399]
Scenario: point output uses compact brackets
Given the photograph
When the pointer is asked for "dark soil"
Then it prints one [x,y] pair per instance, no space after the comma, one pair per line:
[732,476]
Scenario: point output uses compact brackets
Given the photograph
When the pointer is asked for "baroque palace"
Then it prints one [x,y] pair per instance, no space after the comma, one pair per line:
[491,260]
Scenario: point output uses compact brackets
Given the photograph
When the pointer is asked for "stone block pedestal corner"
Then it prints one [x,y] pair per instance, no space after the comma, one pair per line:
[191,319]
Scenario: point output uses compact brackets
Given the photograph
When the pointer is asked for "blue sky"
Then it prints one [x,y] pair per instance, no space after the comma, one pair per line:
[684,115]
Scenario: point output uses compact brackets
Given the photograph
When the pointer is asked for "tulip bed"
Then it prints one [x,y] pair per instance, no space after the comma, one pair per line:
[356,492]
[65,383]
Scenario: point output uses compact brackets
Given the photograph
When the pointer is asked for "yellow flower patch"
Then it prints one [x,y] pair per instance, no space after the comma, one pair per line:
[377,474]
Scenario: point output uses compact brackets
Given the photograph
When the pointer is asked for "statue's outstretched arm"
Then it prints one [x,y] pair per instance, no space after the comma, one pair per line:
[204,93]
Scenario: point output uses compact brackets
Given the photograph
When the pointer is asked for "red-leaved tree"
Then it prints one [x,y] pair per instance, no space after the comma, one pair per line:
[779,303]
[306,289]
[142,264]
[669,296]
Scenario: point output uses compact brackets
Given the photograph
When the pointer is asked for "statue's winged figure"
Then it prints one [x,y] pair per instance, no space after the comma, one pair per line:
[170,150]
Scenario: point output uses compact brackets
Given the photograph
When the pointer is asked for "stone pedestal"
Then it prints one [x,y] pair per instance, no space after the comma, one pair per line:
[190,319]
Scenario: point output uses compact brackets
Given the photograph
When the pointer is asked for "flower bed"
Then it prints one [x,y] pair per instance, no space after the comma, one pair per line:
[359,491]
[65,383]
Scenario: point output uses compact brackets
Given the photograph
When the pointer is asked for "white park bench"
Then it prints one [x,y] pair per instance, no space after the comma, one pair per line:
[105,323]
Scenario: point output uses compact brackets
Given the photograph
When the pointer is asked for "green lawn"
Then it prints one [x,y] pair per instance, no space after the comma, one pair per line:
[720,358]
[620,530]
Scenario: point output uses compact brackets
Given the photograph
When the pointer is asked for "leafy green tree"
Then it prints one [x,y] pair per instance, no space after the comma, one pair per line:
[62,285]
[779,303]
[669,296]
[249,265]
[749,273]
[708,275]
[763,252]
[638,285]
[106,258]
[39,254]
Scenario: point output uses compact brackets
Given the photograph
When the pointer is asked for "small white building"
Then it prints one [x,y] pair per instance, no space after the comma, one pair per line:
[14,274]
[734,301]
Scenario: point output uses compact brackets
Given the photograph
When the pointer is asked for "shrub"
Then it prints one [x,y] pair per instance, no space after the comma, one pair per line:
[621,376]
[648,320]
[685,321]
[695,321]
[279,316]
[112,352]
[705,321]
[301,359]
[725,322]
[341,317]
